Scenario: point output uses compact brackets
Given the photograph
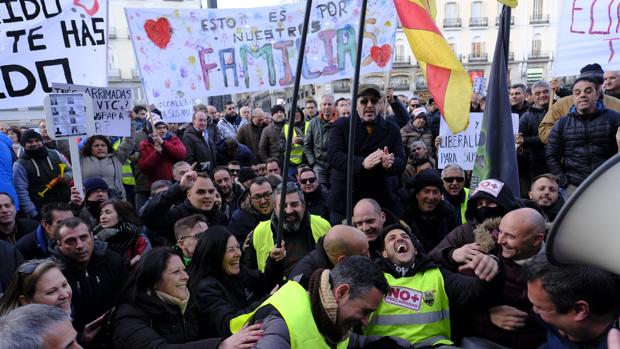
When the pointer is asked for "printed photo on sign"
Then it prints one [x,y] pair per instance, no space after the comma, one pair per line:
[68,115]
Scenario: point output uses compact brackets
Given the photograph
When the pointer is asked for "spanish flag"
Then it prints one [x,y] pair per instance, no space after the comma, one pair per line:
[448,81]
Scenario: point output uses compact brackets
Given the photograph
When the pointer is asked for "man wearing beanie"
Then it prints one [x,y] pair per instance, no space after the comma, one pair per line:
[428,214]
[563,106]
[96,191]
[34,170]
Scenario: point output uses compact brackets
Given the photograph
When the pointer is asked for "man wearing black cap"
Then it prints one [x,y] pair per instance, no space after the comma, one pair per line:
[377,155]
[34,171]
[96,191]
[429,215]
[585,138]
[563,106]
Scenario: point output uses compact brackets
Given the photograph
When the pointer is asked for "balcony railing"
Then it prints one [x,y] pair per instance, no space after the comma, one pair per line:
[478,57]
[419,86]
[539,18]
[512,20]
[538,54]
[451,22]
[402,60]
[341,86]
[511,56]
[114,74]
[478,21]
[401,86]
[135,74]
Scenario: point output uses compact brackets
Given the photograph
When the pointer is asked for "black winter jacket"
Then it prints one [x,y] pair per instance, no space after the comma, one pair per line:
[314,260]
[152,324]
[222,298]
[95,286]
[159,215]
[532,145]
[11,259]
[198,149]
[578,144]
[430,228]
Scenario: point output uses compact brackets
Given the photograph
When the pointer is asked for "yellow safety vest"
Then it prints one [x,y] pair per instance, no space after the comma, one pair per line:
[293,303]
[126,171]
[464,206]
[262,238]
[416,309]
[297,150]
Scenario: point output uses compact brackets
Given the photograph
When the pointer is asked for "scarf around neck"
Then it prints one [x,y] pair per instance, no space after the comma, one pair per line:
[325,307]
[168,299]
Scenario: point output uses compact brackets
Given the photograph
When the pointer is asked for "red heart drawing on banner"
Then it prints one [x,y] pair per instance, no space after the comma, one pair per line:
[158,31]
[90,11]
[381,55]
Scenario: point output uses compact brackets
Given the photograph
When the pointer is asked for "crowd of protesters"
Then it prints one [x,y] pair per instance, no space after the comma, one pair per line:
[173,241]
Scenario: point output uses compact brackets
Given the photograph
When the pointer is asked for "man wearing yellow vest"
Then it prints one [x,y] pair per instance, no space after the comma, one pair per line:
[301,231]
[323,316]
[417,305]
[455,192]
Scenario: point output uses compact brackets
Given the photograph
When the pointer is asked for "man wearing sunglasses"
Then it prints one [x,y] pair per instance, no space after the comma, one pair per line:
[455,192]
[314,192]
[378,154]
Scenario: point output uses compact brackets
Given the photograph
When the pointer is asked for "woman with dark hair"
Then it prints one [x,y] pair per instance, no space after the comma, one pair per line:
[15,134]
[100,158]
[222,286]
[122,230]
[154,309]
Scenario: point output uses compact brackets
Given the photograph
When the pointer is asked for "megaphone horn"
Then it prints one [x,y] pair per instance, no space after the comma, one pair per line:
[587,229]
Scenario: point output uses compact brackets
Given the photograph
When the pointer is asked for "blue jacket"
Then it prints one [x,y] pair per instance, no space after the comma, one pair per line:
[6,168]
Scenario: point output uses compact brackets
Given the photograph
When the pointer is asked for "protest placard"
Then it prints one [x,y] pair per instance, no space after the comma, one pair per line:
[111,108]
[46,41]
[461,148]
[587,26]
[188,54]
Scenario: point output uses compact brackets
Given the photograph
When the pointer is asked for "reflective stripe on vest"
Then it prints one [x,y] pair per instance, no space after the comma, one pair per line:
[293,303]
[297,150]
[416,308]
[262,238]
[464,206]
[126,171]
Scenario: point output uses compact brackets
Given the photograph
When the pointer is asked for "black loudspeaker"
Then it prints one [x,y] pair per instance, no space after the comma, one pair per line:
[587,229]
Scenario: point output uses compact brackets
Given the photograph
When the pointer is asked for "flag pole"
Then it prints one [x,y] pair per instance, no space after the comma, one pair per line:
[353,117]
[291,121]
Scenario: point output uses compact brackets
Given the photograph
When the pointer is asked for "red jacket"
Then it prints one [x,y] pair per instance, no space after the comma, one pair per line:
[158,166]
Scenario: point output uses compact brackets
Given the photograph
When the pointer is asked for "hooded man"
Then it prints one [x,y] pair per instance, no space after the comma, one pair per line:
[34,171]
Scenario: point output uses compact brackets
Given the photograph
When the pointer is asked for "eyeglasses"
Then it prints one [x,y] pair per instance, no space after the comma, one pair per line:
[259,197]
[372,100]
[452,179]
[30,266]
[195,236]
[234,171]
[415,106]
[307,180]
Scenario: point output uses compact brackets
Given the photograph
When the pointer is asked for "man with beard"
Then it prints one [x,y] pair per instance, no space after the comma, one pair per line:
[256,209]
[32,172]
[96,191]
[249,134]
[199,143]
[230,190]
[316,138]
[161,213]
[545,192]
[271,144]
[229,125]
[377,156]
[315,194]
[454,189]
[430,216]
[518,104]
[417,308]
[300,231]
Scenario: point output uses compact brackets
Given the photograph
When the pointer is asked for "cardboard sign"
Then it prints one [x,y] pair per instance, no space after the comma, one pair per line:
[189,54]
[46,41]
[461,148]
[111,108]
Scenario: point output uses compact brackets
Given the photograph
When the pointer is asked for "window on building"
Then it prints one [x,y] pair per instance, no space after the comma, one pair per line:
[400,51]
[537,45]
[477,47]
[452,44]
[537,11]
[452,10]
[477,9]
[111,58]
